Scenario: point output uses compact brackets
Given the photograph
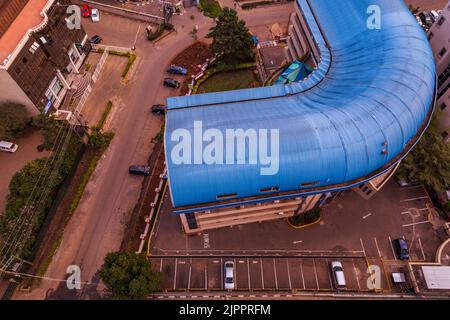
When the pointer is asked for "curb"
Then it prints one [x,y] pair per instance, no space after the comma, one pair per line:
[304,226]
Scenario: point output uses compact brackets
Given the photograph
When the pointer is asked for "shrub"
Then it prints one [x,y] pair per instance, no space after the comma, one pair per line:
[99,139]
[14,119]
[210,8]
[251,5]
[308,217]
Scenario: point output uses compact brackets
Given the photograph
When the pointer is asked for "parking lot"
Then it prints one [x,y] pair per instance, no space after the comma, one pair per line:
[274,256]
[262,273]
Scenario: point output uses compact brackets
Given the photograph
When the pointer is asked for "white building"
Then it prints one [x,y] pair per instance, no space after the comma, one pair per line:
[439,36]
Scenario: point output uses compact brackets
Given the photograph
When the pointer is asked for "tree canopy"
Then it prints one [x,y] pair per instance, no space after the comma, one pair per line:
[129,276]
[429,161]
[231,38]
[14,119]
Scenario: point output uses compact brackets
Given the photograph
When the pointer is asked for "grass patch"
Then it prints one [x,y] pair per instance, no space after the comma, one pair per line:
[105,115]
[210,8]
[251,5]
[229,80]
[159,137]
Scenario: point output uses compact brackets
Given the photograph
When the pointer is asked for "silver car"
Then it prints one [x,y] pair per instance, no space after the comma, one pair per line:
[229,275]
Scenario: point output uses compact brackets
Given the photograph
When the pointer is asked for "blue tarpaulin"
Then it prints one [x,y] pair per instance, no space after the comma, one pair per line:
[296,72]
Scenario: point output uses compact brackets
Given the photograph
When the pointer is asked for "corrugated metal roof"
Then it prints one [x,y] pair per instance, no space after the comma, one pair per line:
[354,115]
[437,277]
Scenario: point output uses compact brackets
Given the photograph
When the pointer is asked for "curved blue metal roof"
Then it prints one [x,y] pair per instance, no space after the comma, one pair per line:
[356,115]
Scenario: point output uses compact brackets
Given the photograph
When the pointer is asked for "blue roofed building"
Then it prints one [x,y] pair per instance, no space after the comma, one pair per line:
[264,153]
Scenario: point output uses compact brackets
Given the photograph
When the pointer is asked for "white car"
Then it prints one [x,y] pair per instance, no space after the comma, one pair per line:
[338,275]
[8,146]
[229,275]
[95,15]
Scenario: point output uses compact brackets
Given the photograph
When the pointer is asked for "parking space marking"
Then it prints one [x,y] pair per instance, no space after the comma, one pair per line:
[206,279]
[189,278]
[367,215]
[175,275]
[378,248]
[248,274]
[408,212]
[329,276]
[303,278]
[221,273]
[315,274]
[392,248]
[160,266]
[421,249]
[415,223]
[289,273]
[362,245]
[355,271]
[275,273]
[235,272]
[262,273]
[412,199]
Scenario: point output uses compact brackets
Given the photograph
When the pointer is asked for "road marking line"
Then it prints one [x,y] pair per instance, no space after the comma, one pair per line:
[362,245]
[329,275]
[415,223]
[175,275]
[367,215]
[248,274]
[412,199]
[421,249]
[315,274]
[355,271]
[206,278]
[298,241]
[289,274]
[262,274]
[392,248]
[221,273]
[301,270]
[378,249]
[160,266]
[189,278]
[275,273]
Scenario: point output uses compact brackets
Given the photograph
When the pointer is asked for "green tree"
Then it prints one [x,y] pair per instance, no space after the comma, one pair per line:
[129,276]
[429,161]
[50,129]
[14,119]
[231,38]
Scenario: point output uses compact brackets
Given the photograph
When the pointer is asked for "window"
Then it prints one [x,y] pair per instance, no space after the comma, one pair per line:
[442,52]
[24,60]
[444,76]
[310,184]
[226,196]
[441,21]
[272,189]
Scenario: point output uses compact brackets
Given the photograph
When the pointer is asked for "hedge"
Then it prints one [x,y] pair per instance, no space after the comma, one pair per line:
[251,5]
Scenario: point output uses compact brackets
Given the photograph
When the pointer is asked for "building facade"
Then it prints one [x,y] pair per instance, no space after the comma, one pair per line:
[439,37]
[39,53]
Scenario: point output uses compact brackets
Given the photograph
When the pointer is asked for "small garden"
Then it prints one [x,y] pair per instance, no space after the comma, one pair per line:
[229,80]
[301,220]
[210,8]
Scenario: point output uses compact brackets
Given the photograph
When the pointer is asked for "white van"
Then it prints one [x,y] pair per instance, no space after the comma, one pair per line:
[338,275]
[8,146]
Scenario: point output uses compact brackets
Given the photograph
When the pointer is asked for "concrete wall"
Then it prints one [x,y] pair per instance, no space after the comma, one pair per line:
[10,91]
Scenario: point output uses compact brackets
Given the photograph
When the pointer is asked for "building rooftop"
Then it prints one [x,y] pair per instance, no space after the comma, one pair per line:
[29,18]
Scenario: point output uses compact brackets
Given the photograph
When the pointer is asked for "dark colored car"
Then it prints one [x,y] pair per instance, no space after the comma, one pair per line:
[95,39]
[159,109]
[426,19]
[141,170]
[169,82]
[177,70]
[401,246]
[86,11]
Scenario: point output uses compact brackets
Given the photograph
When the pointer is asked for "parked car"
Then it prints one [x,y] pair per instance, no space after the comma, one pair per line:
[86,11]
[177,70]
[169,82]
[159,109]
[8,146]
[139,170]
[95,15]
[95,39]
[434,15]
[426,18]
[338,275]
[229,275]
[401,247]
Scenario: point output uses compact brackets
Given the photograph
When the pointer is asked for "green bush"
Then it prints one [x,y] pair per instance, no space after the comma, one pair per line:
[105,114]
[308,217]
[100,140]
[251,5]
[13,120]
[162,27]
